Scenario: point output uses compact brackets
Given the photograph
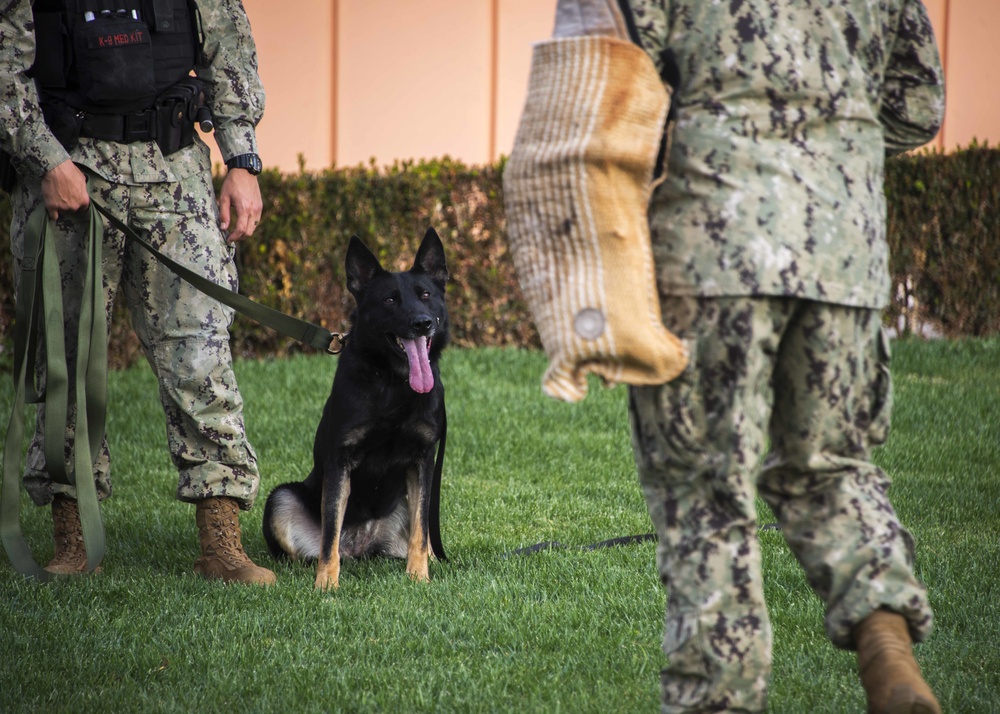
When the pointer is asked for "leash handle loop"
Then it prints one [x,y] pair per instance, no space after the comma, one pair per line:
[41,300]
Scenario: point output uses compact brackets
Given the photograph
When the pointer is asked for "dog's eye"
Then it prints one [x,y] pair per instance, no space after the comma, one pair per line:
[390,300]
[425,294]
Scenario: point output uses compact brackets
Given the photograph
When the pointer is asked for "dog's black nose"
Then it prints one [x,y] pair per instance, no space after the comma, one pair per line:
[422,325]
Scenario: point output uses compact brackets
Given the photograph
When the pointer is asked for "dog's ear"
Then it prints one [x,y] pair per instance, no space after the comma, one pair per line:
[361,266]
[430,259]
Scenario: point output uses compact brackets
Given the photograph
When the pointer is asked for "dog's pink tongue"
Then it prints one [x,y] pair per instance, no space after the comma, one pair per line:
[421,377]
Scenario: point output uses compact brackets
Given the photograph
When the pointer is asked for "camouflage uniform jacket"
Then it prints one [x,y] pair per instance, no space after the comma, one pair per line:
[784,111]
[235,97]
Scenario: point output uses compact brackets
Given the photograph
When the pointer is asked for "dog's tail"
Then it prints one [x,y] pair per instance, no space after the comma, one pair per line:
[292,530]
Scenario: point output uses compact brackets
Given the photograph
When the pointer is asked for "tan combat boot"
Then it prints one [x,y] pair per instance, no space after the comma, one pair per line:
[70,556]
[889,673]
[222,554]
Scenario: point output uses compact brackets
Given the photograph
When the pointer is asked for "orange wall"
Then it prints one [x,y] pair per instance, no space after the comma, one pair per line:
[967,33]
[295,55]
[521,23]
[352,80]
[413,79]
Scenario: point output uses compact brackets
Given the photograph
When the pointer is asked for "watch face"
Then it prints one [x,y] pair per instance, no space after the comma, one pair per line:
[255,165]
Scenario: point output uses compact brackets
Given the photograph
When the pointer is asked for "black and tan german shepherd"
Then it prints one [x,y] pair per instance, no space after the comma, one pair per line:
[375,484]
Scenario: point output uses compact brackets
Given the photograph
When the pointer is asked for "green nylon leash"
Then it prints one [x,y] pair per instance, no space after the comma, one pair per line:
[40,300]
[39,313]
[305,332]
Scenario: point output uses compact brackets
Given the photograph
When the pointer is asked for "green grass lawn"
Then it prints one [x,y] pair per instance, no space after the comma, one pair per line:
[559,631]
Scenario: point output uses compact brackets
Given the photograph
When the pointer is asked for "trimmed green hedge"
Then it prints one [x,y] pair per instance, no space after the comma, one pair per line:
[944,233]
[944,241]
[295,260]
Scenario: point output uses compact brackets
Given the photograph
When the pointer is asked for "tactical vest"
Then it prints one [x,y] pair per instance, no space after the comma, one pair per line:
[113,56]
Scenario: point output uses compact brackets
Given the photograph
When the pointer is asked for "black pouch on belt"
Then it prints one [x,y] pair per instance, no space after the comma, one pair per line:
[176,109]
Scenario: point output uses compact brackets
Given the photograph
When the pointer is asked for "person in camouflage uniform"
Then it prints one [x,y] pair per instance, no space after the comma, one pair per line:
[170,200]
[769,240]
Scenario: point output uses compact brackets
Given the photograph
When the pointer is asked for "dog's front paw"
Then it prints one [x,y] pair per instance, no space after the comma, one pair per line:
[327,578]
[326,582]
[418,572]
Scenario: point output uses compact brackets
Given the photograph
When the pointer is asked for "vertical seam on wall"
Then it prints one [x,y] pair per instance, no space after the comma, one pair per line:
[494,69]
[944,64]
[334,69]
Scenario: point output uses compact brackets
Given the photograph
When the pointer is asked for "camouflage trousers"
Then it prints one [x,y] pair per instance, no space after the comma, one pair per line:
[185,335]
[813,379]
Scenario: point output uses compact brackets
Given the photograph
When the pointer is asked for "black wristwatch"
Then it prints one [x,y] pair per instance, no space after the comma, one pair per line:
[250,162]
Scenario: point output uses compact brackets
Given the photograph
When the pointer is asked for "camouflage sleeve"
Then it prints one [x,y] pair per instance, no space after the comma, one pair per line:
[913,93]
[23,132]
[235,93]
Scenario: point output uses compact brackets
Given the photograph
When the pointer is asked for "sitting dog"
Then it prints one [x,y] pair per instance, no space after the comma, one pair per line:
[374,487]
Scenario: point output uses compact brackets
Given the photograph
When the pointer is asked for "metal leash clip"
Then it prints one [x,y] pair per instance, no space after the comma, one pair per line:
[337,342]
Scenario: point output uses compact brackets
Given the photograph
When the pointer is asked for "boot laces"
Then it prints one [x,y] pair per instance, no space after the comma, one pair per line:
[224,529]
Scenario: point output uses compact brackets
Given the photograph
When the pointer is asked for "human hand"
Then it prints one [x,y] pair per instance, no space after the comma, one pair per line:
[239,195]
[64,188]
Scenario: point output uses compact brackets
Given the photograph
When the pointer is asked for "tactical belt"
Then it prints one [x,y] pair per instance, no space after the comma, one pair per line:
[123,128]
[39,315]
[169,122]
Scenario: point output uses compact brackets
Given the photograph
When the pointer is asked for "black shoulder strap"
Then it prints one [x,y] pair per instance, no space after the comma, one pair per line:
[633,31]
[669,74]
[198,32]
